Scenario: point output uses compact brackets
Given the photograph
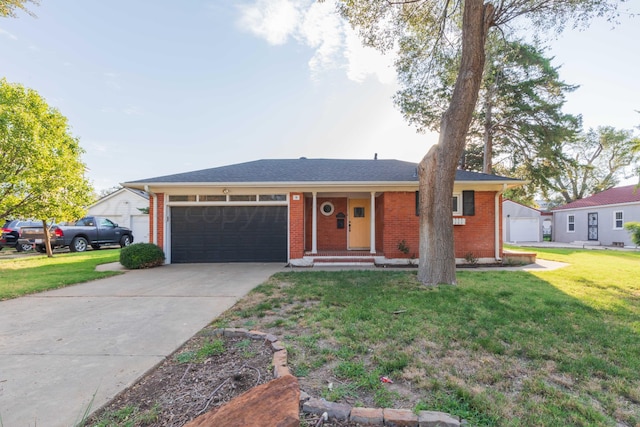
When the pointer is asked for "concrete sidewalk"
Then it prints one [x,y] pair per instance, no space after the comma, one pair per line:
[65,350]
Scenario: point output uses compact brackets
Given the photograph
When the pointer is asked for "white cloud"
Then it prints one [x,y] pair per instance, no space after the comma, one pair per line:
[322,30]
[364,61]
[273,20]
[8,34]
[318,26]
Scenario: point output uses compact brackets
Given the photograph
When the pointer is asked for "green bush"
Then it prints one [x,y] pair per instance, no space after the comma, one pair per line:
[141,255]
[634,228]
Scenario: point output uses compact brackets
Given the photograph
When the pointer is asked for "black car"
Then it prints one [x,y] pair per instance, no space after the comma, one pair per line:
[11,234]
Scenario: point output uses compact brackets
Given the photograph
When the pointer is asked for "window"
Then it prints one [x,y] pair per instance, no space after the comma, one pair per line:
[358,212]
[456,205]
[272,198]
[182,198]
[212,198]
[104,222]
[571,223]
[618,220]
[462,204]
[242,198]
[327,208]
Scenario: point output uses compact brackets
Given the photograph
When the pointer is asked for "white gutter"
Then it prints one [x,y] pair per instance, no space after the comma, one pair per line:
[154,229]
[498,219]
[310,184]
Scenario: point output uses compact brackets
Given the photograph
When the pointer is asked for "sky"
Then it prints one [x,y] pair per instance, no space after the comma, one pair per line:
[153,88]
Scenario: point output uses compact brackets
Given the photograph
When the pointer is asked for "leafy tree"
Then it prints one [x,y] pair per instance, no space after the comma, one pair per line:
[518,117]
[8,7]
[436,30]
[634,229]
[41,171]
[595,162]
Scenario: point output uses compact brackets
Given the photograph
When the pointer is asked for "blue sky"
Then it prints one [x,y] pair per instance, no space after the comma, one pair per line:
[156,87]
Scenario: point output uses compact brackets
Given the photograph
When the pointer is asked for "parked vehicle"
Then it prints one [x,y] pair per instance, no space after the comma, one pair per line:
[11,234]
[93,231]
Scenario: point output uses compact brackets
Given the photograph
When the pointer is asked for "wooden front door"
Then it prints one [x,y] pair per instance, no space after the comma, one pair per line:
[359,224]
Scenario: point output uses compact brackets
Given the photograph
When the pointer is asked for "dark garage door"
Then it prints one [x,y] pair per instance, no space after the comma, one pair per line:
[229,234]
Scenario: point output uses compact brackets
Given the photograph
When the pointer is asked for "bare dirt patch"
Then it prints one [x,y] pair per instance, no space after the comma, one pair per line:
[188,384]
[184,385]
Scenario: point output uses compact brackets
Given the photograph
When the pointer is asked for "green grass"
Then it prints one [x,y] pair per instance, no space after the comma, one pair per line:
[207,349]
[129,416]
[31,274]
[504,348]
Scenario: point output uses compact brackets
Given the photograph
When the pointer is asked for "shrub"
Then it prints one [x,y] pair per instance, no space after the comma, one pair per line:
[634,228]
[141,255]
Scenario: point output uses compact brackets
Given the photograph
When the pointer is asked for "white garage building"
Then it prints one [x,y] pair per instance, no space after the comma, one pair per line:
[522,223]
[126,207]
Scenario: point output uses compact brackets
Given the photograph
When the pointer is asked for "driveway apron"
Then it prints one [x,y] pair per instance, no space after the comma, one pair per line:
[67,350]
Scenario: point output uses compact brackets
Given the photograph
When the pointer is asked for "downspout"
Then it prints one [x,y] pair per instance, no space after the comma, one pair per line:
[154,229]
[498,219]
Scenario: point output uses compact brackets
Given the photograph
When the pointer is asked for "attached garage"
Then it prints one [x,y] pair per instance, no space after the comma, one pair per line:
[202,234]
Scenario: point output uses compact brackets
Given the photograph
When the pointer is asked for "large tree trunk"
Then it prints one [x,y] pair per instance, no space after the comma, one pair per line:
[487,153]
[47,238]
[437,170]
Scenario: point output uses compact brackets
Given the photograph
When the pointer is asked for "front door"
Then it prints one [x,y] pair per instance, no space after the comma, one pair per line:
[359,224]
[593,225]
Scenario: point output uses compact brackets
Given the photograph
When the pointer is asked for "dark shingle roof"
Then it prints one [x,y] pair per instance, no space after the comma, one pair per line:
[311,170]
[612,196]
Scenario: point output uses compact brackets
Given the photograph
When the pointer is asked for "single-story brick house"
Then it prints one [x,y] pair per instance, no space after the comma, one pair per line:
[295,210]
[599,219]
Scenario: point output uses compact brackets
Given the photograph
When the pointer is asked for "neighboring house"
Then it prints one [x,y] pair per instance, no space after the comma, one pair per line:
[296,210]
[522,223]
[599,219]
[123,207]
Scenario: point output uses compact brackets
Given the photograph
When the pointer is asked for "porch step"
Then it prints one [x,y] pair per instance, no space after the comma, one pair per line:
[343,260]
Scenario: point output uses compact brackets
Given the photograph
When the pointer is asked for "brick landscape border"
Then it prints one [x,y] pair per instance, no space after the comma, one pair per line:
[365,416]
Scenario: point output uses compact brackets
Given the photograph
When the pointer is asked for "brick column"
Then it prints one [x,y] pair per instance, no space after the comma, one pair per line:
[296,225]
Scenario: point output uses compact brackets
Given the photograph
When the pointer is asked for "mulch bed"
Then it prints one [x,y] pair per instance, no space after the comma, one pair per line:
[181,391]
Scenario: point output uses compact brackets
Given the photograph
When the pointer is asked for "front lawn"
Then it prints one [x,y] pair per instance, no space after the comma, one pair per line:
[503,348]
[31,274]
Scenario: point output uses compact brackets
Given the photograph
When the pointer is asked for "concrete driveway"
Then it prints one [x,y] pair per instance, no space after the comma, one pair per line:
[66,350]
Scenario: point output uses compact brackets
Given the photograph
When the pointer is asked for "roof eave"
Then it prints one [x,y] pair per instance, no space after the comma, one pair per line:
[311,184]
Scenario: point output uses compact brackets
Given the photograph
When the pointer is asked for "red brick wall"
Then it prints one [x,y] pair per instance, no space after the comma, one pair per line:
[330,237]
[380,223]
[160,222]
[401,223]
[151,213]
[395,221]
[477,235]
[296,226]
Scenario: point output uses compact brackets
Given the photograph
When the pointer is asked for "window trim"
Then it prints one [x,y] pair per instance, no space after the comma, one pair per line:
[458,211]
[615,220]
[327,204]
[571,221]
[459,203]
[257,199]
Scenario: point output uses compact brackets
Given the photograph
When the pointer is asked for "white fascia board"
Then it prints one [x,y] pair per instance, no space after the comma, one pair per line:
[323,185]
